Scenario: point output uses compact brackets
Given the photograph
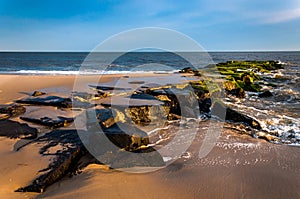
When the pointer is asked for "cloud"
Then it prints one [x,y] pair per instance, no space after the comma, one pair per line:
[282,16]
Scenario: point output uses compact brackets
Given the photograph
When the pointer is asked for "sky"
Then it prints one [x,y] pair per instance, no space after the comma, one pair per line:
[217,25]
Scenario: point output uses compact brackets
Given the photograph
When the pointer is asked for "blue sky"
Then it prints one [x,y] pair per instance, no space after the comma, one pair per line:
[218,25]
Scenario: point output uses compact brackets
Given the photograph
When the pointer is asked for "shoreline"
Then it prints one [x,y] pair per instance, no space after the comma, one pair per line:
[238,165]
[13,87]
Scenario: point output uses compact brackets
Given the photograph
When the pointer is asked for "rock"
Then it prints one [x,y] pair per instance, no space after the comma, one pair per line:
[81,104]
[190,70]
[186,70]
[4,116]
[105,87]
[56,101]
[127,147]
[267,137]
[87,97]
[13,110]
[125,102]
[50,122]
[238,92]
[205,105]
[108,117]
[67,150]
[265,94]
[136,82]
[139,108]
[12,129]
[178,101]
[146,114]
[126,136]
[243,73]
[37,93]
[234,89]
[235,116]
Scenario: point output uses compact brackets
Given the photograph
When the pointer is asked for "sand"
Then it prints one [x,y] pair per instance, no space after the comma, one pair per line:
[238,166]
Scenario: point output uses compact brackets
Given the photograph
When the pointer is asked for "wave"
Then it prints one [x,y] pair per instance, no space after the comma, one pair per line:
[91,72]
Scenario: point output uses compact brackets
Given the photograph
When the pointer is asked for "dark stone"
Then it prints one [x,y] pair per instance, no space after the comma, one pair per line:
[127,147]
[126,136]
[179,101]
[205,104]
[186,70]
[108,87]
[151,85]
[11,111]
[108,117]
[64,159]
[142,96]
[190,70]
[12,129]
[48,101]
[4,116]
[50,122]
[86,100]
[85,97]
[234,116]
[37,93]
[82,105]
[125,102]
[237,92]
[136,82]
[265,94]
[139,108]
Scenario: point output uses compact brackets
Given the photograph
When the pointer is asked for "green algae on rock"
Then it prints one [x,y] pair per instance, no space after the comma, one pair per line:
[242,75]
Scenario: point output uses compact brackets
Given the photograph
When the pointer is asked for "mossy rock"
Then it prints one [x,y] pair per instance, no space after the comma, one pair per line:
[261,66]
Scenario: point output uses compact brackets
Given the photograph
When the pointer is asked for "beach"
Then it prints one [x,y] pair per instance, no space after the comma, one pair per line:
[239,166]
[150,99]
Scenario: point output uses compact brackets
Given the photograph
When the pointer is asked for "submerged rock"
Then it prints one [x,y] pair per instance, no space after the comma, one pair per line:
[50,122]
[234,116]
[12,129]
[265,94]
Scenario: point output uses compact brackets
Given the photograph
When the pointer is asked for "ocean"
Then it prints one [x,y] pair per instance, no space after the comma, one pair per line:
[279,115]
[71,62]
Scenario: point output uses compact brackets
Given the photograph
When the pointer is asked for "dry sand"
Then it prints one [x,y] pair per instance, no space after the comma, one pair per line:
[238,166]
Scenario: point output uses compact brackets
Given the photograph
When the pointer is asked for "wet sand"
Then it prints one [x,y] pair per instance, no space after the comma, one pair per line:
[238,166]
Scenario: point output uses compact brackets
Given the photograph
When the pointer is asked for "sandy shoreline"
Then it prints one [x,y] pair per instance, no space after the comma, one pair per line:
[13,87]
[238,167]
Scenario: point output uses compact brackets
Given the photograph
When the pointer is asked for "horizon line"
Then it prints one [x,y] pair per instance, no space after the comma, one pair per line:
[86,51]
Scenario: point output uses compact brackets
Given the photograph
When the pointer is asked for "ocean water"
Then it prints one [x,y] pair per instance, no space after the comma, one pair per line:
[72,62]
[279,115]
